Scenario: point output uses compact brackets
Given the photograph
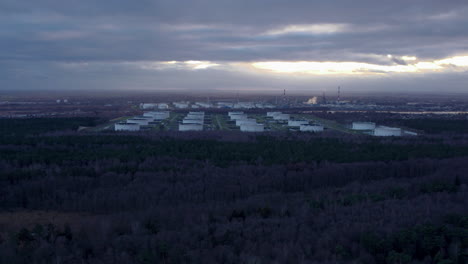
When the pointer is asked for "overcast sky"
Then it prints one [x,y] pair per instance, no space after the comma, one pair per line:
[251,45]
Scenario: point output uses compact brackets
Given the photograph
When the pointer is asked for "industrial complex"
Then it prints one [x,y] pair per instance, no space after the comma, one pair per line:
[248,121]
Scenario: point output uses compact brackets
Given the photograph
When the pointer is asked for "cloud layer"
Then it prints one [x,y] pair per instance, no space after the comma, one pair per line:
[202,44]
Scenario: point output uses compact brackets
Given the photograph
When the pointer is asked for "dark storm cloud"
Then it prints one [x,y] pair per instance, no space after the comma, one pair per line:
[37,36]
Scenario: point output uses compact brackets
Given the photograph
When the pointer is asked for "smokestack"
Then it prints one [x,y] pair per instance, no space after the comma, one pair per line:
[339,91]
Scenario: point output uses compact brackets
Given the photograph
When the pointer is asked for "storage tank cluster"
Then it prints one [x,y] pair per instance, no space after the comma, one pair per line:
[147,106]
[245,123]
[135,123]
[379,131]
[278,116]
[193,122]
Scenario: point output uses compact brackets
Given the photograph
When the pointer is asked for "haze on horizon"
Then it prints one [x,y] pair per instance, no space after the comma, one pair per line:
[221,45]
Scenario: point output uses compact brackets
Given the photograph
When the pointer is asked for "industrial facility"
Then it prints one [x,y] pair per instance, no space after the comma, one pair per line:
[245,123]
[194,121]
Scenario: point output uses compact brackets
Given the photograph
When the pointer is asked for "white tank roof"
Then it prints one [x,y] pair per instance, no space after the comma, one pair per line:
[311,128]
[252,128]
[192,121]
[141,121]
[281,117]
[384,131]
[240,122]
[363,126]
[297,123]
[190,127]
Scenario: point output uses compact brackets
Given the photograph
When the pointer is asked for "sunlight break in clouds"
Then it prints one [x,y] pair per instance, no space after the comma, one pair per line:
[322,68]
[180,65]
[460,61]
[314,29]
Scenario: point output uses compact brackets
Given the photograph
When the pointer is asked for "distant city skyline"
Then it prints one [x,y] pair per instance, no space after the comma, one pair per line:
[415,46]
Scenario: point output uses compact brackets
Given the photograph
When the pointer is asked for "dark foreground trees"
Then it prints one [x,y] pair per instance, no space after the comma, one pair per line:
[97,198]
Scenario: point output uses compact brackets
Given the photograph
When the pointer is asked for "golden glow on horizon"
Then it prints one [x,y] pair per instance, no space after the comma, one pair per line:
[321,68]
[190,64]
[350,68]
[409,58]
[457,63]
[461,61]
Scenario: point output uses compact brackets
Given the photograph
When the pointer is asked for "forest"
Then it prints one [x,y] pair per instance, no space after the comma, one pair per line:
[228,197]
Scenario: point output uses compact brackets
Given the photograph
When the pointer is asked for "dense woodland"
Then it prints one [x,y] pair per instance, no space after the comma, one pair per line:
[82,197]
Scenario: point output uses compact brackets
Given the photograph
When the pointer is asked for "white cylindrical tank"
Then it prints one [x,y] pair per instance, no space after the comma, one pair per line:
[311,128]
[190,127]
[240,122]
[238,117]
[363,126]
[252,128]
[281,117]
[140,121]
[157,115]
[191,116]
[272,114]
[383,131]
[192,121]
[235,113]
[126,127]
[297,123]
